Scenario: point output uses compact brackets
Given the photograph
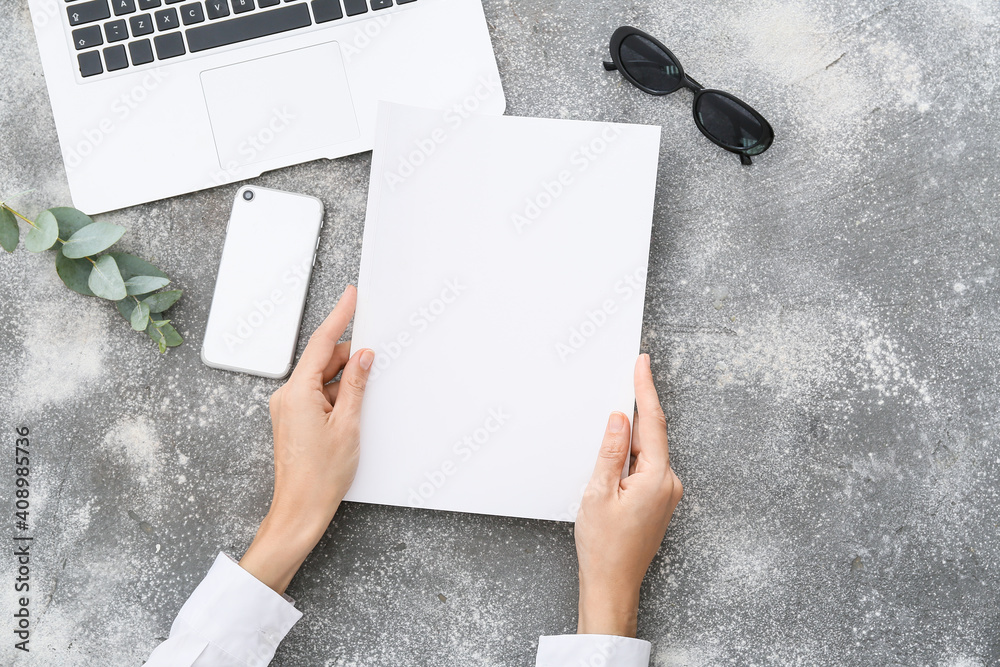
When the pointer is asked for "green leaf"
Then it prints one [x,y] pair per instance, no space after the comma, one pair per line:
[159,323]
[125,308]
[165,336]
[43,235]
[145,284]
[92,239]
[161,301]
[131,266]
[70,220]
[140,317]
[106,280]
[75,273]
[10,233]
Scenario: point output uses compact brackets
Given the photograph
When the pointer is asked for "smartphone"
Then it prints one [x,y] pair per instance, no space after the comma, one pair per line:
[260,291]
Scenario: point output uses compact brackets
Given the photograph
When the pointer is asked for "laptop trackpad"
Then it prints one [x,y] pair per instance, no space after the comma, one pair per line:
[280,105]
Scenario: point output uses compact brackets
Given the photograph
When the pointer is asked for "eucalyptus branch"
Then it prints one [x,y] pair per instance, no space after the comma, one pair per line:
[86,266]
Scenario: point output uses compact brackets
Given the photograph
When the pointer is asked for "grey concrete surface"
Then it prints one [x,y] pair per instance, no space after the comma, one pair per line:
[824,333]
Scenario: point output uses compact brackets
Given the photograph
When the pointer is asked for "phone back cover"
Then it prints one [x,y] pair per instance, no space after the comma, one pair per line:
[263,278]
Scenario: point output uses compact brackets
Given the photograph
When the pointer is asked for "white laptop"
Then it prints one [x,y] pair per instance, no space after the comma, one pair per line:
[156,98]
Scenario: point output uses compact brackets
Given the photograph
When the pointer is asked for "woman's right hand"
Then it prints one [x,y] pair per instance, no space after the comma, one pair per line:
[621,522]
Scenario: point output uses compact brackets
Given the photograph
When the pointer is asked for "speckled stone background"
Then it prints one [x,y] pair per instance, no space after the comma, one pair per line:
[824,333]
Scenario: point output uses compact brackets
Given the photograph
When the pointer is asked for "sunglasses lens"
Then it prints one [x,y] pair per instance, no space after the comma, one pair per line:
[731,123]
[650,65]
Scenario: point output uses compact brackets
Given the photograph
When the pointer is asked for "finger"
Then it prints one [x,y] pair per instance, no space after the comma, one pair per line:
[650,443]
[341,353]
[319,351]
[636,444]
[612,455]
[352,385]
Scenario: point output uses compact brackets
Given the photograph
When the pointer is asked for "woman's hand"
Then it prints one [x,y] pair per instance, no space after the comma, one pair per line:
[316,448]
[621,522]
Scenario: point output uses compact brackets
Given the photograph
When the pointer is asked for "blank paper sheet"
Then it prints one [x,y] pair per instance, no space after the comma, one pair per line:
[502,282]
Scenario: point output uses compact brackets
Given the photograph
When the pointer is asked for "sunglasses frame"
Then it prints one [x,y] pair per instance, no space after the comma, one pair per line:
[686,81]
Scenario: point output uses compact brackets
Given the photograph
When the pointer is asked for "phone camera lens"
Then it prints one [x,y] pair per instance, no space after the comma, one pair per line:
[248,195]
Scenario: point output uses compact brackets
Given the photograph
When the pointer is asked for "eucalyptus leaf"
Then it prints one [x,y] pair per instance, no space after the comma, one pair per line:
[43,235]
[125,307]
[131,266]
[106,280]
[140,317]
[165,336]
[145,284]
[10,233]
[75,273]
[92,239]
[160,323]
[161,301]
[70,220]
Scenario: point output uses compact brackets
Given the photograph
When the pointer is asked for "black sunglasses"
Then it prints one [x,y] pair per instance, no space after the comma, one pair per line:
[725,119]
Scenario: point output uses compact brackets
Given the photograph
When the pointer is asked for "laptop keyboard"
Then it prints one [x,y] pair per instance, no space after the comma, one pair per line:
[112,35]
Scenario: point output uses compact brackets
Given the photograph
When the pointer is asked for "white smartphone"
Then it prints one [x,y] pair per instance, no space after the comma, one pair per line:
[260,291]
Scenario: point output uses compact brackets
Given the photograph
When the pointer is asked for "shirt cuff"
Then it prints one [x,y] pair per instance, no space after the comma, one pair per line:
[238,613]
[607,650]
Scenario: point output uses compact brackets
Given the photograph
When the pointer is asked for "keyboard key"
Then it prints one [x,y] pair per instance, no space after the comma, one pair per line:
[381,4]
[169,46]
[354,7]
[403,2]
[240,6]
[115,31]
[148,4]
[217,9]
[84,38]
[141,24]
[173,2]
[251,26]
[327,10]
[114,57]
[123,7]
[90,63]
[267,3]
[85,12]
[166,19]
[192,13]
[141,52]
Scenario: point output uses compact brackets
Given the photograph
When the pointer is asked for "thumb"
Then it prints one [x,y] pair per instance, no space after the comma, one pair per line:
[612,455]
[352,385]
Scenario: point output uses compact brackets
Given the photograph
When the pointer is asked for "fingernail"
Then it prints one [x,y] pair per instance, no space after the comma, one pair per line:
[648,364]
[367,357]
[616,423]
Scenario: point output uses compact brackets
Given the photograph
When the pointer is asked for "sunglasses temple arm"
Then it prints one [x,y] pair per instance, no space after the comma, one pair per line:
[610,66]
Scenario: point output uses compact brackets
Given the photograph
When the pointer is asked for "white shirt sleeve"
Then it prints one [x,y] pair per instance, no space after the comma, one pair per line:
[592,650]
[231,620]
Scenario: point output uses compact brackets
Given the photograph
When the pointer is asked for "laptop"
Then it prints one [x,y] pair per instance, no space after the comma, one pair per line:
[157,98]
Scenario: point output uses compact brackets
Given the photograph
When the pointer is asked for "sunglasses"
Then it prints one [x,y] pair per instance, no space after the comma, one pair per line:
[726,120]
